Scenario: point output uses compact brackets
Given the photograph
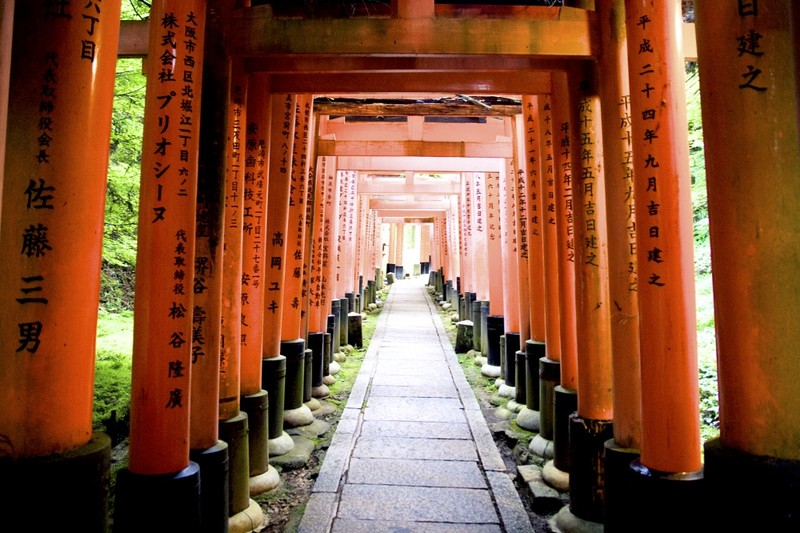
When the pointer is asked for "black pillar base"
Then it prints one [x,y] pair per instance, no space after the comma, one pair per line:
[354,331]
[619,485]
[316,343]
[273,380]
[308,361]
[587,440]
[168,502]
[336,306]
[234,432]
[256,406]
[511,348]
[566,403]
[764,491]
[294,350]
[520,379]
[534,351]
[78,480]
[494,329]
[484,328]
[215,493]
[476,325]
[549,378]
[670,501]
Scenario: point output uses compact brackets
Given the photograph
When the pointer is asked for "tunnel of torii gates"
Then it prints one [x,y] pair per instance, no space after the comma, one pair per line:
[538,155]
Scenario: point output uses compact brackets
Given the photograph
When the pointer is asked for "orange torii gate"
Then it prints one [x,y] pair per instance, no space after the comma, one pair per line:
[750,92]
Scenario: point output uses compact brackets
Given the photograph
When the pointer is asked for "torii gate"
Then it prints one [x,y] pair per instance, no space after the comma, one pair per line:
[51,193]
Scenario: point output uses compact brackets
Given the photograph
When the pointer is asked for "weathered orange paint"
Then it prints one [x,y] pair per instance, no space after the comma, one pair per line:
[330,232]
[293,282]
[231,323]
[508,238]
[281,140]
[752,164]
[254,220]
[532,165]
[664,235]
[521,224]
[543,120]
[60,93]
[494,243]
[160,388]
[562,125]
[618,156]
[480,238]
[593,308]
[465,238]
[316,320]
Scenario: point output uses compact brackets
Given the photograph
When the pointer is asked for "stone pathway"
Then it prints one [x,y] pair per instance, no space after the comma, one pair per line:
[412,451]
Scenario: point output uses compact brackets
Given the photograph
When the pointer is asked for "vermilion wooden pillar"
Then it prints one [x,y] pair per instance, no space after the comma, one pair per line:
[205,446]
[318,338]
[159,438]
[465,244]
[591,425]
[59,87]
[511,284]
[533,223]
[6,32]
[565,401]
[621,217]
[255,400]
[494,325]
[293,344]
[545,356]
[752,161]
[670,447]
[274,362]
[481,263]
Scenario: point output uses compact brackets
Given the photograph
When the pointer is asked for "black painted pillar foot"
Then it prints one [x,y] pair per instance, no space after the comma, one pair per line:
[295,413]
[587,440]
[674,501]
[765,491]
[77,479]
[619,485]
[566,403]
[171,499]
[215,493]
[234,432]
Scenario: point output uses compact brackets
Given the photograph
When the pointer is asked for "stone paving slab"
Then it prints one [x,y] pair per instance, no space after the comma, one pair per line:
[421,391]
[426,504]
[464,474]
[382,526]
[412,451]
[419,430]
[402,448]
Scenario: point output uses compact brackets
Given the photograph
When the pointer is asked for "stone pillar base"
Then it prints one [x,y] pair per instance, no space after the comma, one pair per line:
[269,480]
[490,371]
[541,447]
[556,478]
[567,522]
[300,416]
[280,445]
[249,519]
[321,391]
[528,419]
[78,479]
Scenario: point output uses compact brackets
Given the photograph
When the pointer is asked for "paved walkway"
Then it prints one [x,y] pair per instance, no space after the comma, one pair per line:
[412,451]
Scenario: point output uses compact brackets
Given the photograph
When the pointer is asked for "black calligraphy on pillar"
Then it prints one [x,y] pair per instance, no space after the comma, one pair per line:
[647,163]
[749,49]
[588,183]
[566,191]
[628,198]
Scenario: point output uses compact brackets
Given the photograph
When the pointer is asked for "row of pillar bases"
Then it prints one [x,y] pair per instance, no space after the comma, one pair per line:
[238,466]
[609,488]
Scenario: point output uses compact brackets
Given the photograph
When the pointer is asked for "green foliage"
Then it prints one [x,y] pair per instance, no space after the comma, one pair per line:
[113,373]
[122,195]
[709,401]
